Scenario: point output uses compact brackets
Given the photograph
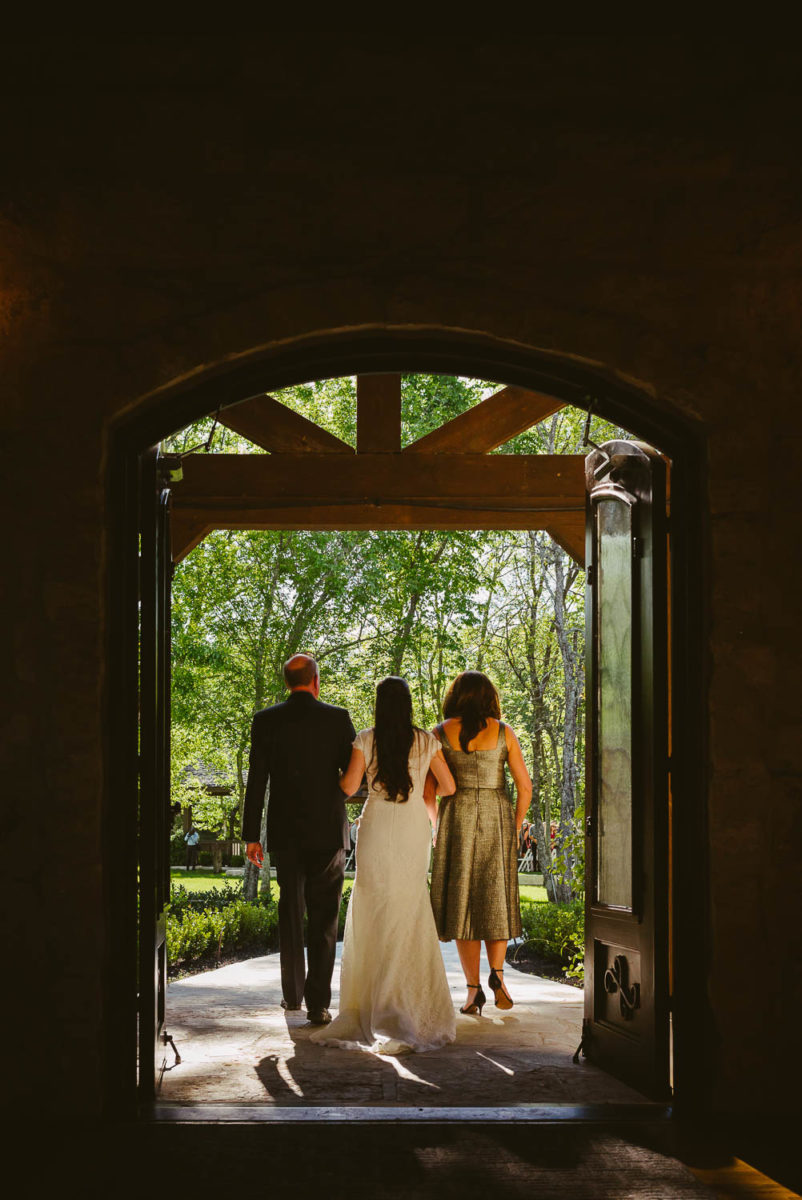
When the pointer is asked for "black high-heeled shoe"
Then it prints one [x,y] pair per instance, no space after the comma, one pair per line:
[474,1009]
[496,985]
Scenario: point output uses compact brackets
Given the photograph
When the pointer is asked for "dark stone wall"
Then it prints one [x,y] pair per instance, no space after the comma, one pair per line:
[172,204]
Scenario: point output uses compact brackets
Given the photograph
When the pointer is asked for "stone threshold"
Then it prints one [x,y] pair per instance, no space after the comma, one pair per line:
[596,1114]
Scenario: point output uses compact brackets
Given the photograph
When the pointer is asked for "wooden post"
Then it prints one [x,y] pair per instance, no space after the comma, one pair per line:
[378,408]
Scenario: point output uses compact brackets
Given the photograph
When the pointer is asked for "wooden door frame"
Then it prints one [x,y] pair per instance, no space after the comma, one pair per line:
[426,351]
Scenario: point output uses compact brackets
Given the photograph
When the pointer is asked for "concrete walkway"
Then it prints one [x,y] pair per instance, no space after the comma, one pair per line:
[238,1046]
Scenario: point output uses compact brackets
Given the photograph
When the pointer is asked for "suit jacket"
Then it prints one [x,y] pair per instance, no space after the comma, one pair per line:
[299,747]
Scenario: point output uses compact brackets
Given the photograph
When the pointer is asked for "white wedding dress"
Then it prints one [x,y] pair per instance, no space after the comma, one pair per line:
[394,994]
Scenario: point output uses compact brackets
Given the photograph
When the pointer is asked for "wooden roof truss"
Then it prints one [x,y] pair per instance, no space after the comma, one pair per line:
[448,479]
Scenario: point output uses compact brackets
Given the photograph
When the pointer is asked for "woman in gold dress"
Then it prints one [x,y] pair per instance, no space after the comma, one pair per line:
[475,869]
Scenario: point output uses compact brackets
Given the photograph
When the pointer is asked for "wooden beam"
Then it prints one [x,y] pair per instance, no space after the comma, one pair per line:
[378,414]
[254,482]
[568,531]
[383,516]
[268,423]
[187,530]
[489,424]
[567,528]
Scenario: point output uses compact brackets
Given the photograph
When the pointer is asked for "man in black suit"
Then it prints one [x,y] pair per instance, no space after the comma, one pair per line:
[300,747]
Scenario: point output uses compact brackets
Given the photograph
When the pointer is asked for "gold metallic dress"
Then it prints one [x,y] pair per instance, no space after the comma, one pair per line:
[475,869]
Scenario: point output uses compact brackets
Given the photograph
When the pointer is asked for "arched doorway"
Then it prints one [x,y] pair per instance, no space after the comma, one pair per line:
[377,355]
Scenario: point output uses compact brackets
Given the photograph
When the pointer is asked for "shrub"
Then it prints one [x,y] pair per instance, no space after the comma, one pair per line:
[195,937]
[205,858]
[178,849]
[202,926]
[237,860]
[212,899]
[556,931]
[344,909]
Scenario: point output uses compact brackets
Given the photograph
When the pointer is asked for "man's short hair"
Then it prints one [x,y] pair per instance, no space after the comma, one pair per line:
[300,671]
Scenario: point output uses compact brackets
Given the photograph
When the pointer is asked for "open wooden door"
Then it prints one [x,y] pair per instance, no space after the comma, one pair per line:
[155,817]
[626,1025]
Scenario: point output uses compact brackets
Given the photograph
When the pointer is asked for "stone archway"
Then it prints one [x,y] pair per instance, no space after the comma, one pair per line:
[383,351]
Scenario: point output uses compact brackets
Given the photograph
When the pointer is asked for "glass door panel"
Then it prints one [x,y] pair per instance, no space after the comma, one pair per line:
[614,707]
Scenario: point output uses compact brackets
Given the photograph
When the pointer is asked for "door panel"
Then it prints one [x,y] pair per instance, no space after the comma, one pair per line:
[625,1030]
[155,817]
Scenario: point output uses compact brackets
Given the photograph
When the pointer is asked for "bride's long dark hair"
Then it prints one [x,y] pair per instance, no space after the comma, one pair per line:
[393,737]
[473,698]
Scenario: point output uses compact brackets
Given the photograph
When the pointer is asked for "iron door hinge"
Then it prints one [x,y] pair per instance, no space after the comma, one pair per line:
[583,1045]
[171,468]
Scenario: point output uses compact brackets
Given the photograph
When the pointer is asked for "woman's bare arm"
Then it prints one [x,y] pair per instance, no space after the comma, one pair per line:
[445,780]
[430,798]
[520,775]
[352,776]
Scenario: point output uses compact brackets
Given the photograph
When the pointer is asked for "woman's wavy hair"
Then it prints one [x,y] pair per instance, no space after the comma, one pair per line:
[394,733]
[473,698]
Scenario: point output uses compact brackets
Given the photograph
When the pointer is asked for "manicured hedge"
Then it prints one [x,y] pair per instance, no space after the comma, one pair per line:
[212,899]
[203,927]
[197,937]
[556,931]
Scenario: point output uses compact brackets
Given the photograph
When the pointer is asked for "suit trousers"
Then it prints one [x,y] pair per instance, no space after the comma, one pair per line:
[310,880]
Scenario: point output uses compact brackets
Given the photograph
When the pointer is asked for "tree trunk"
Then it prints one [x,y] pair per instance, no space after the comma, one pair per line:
[402,642]
[571,678]
[250,881]
[264,882]
[250,878]
[480,654]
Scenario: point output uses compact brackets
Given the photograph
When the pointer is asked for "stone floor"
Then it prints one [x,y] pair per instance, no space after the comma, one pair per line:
[238,1046]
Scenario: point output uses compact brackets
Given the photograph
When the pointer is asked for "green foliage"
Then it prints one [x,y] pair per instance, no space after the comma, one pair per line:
[344,909]
[201,879]
[197,936]
[556,931]
[212,899]
[202,927]
[568,857]
[178,849]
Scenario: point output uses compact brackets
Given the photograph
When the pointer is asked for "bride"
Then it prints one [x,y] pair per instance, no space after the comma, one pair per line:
[394,993]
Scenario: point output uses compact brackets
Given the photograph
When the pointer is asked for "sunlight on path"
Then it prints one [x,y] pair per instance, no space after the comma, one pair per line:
[238,1046]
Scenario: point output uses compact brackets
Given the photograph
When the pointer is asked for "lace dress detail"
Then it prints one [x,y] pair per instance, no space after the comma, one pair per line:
[393,982]
[475,867]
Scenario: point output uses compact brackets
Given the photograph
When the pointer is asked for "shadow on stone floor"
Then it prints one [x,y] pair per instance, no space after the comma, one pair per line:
[239,1047]
[479,1075]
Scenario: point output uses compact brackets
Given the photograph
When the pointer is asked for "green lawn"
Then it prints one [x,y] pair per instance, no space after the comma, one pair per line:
[534,893]
[204,878]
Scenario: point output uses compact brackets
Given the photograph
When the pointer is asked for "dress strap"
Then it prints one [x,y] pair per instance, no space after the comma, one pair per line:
[440,733]
[500,733]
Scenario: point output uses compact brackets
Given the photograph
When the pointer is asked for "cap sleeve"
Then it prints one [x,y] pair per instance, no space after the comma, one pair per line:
[432,747]
[360,742]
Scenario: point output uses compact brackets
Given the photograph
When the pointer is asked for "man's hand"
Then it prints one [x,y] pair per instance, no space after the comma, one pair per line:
[255,854]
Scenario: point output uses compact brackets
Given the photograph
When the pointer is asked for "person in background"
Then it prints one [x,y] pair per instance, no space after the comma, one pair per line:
[192,837]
